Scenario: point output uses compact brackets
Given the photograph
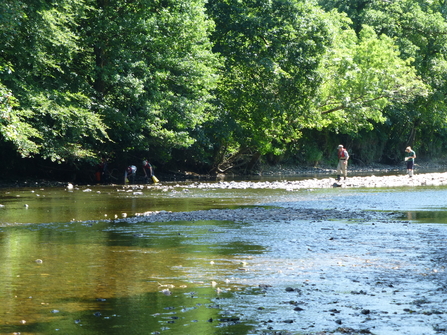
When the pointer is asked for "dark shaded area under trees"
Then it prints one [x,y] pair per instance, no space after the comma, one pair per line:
[218,86]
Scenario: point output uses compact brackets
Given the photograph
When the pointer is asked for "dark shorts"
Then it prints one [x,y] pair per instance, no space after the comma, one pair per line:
[410,165]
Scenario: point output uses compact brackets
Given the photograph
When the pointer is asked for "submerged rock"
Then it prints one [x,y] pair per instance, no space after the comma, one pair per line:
[251,214]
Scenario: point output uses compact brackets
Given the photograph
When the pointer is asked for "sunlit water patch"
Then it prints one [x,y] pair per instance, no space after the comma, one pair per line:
[425,203]
[107,277]
[19,206]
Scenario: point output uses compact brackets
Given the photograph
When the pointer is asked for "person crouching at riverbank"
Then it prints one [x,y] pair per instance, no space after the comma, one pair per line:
[149,172]
[342,167]
[129,174]
[410,155]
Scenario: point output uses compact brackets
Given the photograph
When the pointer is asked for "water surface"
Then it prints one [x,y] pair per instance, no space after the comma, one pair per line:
[68,267]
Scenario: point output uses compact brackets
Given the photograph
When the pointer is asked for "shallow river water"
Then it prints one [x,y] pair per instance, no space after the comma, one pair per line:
[73,261]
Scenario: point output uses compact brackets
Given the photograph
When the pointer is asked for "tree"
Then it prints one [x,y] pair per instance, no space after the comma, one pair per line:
[418,29]
[362,77]
[272,51]
[151,69]
[85,77]
[45,109]
[354,9]
[290,67]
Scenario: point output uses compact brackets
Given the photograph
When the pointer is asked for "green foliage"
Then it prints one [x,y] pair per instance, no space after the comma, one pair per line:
[313,154]
[354,9]
[65,121]
[45,111]
[14,127]
[153,71]
[110,76]
[272,51]
[362,76]
[201,83]
[420,30]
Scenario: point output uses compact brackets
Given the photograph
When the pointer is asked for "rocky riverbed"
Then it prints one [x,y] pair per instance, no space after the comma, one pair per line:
[255,214]
[377,277]
[372,180]
[365,181]
[329,270]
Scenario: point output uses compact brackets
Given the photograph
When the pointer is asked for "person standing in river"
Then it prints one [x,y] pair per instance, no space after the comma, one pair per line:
[101,174]
[410,155]
[342,167]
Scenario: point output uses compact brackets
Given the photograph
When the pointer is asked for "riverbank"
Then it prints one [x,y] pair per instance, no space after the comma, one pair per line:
[420,167]
[290,183]
[265,171]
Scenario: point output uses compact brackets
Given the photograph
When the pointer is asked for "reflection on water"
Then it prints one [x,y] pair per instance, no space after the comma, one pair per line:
[45,205]
[98,276]
[439,216]
[106,278]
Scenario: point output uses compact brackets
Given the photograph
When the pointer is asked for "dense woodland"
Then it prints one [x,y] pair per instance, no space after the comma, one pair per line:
[219,85]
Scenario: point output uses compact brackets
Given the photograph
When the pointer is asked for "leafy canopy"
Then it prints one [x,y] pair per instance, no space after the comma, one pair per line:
[362,76]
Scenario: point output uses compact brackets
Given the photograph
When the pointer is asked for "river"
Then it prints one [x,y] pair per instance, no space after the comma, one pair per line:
[75,260]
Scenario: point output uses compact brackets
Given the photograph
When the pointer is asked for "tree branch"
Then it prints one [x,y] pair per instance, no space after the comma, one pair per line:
[343,106]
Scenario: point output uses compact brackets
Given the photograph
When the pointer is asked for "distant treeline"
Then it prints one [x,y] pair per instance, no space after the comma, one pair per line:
[219,85]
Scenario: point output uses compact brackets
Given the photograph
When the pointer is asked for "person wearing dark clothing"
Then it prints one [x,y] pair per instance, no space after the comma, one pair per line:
[102,172]
[129,174]
[410,155]
[148,170]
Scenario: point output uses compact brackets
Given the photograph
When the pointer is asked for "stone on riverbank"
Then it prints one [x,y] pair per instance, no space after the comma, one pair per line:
[426,179]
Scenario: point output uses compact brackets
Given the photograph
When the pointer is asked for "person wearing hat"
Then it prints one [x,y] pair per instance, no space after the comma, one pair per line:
[410,155]
[342,166]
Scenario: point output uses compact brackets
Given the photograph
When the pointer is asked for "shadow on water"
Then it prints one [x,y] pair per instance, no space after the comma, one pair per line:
[186,312]
[439,216]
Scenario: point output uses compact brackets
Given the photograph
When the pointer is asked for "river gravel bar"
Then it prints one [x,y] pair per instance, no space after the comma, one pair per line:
[426,179]
[331,271]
